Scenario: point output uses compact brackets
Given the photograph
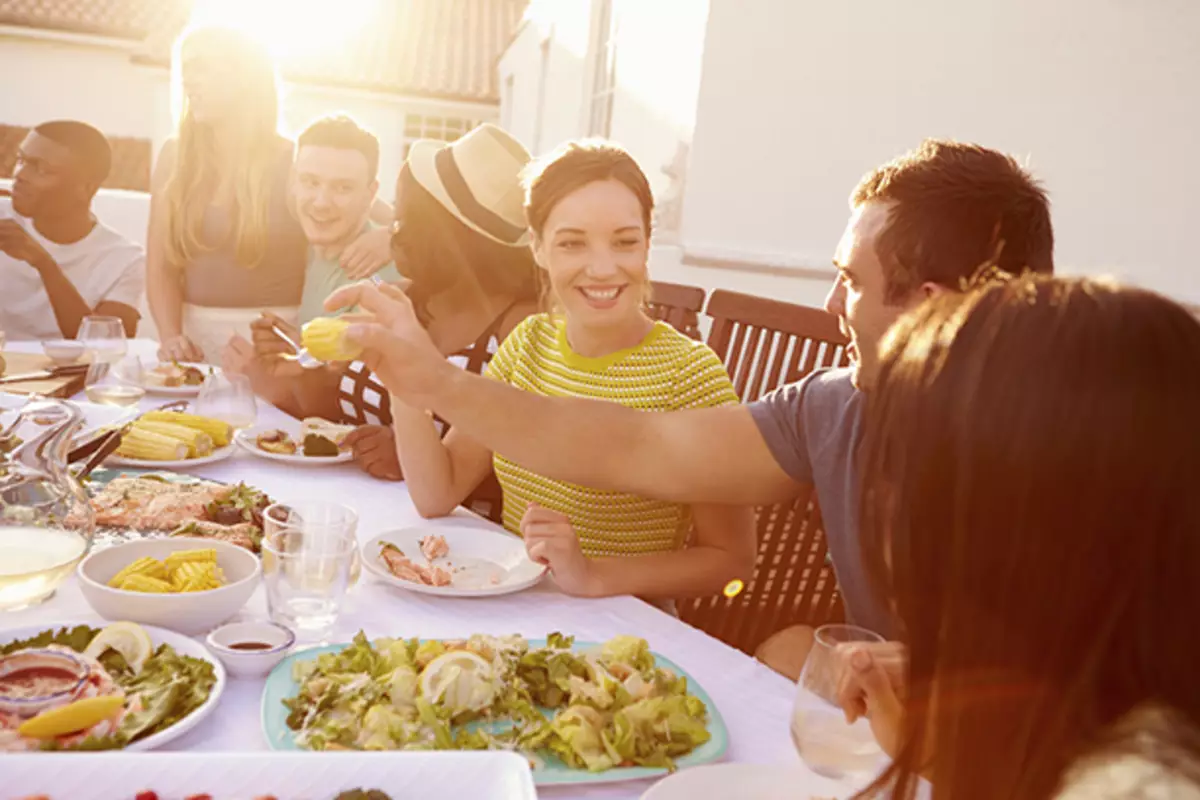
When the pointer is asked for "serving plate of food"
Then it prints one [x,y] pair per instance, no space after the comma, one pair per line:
[270,776]
[581,713]
[130,504]
[454,560]
[311,442]
[177,378]
[119,687]
[173,439]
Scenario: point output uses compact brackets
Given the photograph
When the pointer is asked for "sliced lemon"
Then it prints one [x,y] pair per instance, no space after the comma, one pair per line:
[77,716]
[459,680]
[127,638]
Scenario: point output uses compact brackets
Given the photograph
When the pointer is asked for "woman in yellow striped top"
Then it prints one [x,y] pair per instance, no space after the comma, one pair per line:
[589,208]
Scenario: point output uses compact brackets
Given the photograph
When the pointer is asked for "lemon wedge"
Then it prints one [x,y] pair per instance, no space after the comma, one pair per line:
[77,716]
[127,638]
[459,680]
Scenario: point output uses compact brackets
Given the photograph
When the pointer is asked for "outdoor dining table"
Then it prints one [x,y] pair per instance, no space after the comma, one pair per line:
[754,701]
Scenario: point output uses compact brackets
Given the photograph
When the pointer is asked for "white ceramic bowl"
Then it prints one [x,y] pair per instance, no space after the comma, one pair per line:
[188,612]
[251,663]
[63,351]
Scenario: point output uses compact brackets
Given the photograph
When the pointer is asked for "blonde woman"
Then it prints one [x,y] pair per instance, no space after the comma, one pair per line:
[224,244]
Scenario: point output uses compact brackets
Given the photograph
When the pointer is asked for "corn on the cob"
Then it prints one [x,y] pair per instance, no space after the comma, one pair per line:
[143,566]
[144,583]
[325,339]
[199,443]
[145,444]
[219,431]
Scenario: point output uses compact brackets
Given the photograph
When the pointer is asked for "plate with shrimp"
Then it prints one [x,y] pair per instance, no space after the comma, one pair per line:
[455,558]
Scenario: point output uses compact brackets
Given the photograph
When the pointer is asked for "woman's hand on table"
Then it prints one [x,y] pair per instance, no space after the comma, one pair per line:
[550,539]
[179,348]
[872,683]
[374,448]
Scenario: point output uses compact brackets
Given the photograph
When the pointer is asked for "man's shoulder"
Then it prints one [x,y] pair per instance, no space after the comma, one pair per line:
[827,389]
[110,240]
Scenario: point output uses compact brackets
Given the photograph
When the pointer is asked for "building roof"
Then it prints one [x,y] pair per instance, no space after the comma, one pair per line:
[445,49]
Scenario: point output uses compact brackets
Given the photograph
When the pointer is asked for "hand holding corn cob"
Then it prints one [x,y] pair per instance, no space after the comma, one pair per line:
[325,339]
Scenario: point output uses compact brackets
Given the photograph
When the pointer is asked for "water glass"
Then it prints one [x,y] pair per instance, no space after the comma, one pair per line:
[307,575]
[229,398]
[825,741]
[317,518]
[116,383]
[103,338]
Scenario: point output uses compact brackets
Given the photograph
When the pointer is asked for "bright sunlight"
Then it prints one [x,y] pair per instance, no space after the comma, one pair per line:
[292,29]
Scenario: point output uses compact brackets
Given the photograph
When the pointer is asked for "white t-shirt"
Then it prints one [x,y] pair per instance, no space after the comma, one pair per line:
[103,266]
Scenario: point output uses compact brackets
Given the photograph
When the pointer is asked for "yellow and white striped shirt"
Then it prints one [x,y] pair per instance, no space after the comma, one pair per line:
[666,372]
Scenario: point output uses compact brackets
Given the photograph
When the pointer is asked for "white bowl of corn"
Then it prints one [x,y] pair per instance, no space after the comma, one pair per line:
[183,583]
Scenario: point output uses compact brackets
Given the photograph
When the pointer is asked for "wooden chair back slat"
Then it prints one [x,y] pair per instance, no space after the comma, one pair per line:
[764,344]
[678,305]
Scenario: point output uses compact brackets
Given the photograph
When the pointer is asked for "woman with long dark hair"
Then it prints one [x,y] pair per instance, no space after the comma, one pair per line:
[1031,466]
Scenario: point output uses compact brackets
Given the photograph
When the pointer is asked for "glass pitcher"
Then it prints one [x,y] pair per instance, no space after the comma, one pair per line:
[46,522]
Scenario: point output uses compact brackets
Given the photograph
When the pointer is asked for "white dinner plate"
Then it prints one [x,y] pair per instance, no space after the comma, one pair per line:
[220,454]
[483,560]
[182,644]
[247,440]
[180,391]
[750,782]
[495,775]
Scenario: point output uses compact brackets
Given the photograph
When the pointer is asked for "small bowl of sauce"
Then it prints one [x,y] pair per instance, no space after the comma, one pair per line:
[37,679]
[251,649]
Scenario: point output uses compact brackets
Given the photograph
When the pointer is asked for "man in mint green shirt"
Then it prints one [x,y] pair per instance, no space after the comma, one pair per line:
[334,186]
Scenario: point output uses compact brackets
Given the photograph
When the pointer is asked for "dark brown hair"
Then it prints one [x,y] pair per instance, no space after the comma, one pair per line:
[955,208]
[1031,464]
[345,134]
[438,253]
[576,164]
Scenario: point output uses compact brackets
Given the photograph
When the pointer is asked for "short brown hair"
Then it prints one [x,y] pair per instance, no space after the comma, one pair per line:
[576,164]
[341,132]
[955,206]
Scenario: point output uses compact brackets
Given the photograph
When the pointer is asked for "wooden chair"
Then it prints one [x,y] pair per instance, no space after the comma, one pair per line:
[677,305]
[765,343]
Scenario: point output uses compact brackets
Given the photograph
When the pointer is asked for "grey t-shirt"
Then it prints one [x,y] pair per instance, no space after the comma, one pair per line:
[813,428]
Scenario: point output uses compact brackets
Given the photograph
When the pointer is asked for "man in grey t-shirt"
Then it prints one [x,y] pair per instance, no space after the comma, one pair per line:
[921,224]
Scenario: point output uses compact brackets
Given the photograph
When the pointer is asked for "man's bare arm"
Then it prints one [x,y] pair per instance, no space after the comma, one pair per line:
[707,455]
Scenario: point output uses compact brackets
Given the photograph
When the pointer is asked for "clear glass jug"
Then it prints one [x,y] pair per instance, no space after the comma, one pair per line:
[46,522]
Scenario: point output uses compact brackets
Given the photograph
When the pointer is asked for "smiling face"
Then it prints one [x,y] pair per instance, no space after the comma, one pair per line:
[333,189]
[594,249]
[859,297]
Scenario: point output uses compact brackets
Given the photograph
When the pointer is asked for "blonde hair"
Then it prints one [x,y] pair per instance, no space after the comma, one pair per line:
[189,189]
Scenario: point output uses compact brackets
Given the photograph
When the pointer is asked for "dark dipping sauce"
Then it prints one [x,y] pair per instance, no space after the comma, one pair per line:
[251,646]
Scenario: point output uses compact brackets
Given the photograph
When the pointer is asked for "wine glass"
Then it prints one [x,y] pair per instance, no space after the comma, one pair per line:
[229,398]
[103,338]
[828,744]
[118,383]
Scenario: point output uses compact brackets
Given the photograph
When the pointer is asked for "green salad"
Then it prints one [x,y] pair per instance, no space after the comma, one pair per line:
[169,685]
[613,707]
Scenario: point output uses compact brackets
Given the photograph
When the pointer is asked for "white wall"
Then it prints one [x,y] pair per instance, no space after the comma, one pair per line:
[659,47]
[800,97]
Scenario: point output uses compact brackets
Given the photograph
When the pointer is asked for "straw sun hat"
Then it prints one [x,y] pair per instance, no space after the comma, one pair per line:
[477,179]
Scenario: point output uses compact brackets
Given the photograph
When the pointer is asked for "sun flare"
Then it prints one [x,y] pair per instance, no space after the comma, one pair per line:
[291,29]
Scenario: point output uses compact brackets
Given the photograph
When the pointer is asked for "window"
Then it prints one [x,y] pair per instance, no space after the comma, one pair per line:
[604,70]
[446,129]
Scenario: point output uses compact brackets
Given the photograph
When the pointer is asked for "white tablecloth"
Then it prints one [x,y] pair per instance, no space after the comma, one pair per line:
[754,701]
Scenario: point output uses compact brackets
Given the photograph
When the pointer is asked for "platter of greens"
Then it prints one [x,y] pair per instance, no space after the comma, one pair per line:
[144,687]
[580,712]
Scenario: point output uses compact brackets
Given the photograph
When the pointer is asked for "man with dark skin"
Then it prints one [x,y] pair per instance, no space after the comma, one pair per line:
[58,263]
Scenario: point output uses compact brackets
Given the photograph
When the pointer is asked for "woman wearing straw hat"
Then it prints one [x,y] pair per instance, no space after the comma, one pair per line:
[460,237]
